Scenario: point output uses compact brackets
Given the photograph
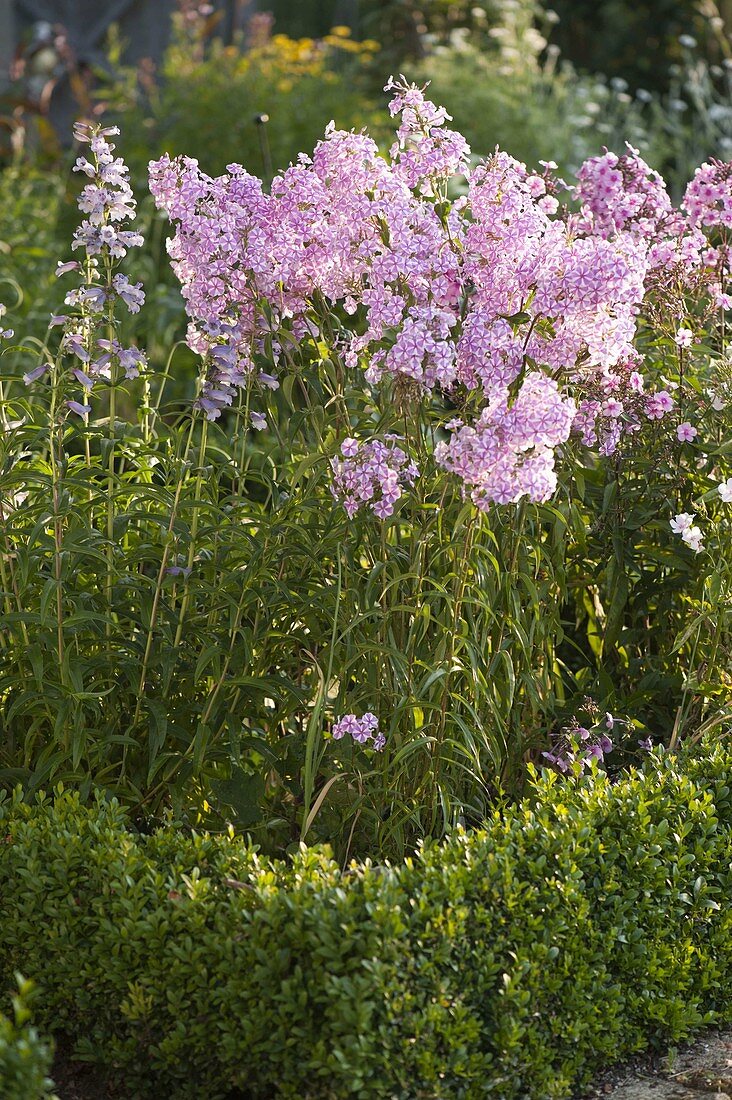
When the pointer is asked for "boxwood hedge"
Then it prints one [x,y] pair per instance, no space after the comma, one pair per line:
[573,929]
[24,1056]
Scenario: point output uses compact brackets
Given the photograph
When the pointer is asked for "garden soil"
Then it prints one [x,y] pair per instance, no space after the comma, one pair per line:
[698,1071]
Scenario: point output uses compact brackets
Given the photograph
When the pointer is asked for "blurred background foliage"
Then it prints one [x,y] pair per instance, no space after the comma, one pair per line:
[638,42]
[542,81]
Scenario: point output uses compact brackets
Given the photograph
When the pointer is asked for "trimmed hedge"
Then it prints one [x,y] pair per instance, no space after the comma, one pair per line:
[508,963]
[24,1056]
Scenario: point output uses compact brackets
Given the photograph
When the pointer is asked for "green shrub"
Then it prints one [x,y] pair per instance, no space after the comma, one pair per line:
[636,41]
[24,1057]
[511,962]
[529,104]
[31,204]
[209,98]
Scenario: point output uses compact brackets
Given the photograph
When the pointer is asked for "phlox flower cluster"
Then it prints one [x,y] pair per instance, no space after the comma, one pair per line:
[658,404]
[708,197]
[622,193]
[363,730]
[615,404]
[691,534]
[495,293]
[623,196]
[108,202]
[372,474]
[510,450]
[426,153]
[580,745]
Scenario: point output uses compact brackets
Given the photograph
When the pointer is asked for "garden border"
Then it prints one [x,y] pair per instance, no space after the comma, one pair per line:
[575,929]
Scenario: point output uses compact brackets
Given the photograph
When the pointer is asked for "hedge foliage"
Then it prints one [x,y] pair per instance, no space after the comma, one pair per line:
[24,1056]
[511,962]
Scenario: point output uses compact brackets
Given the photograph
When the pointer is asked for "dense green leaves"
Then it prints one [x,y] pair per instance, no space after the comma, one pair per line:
[24,1057]
[187,611]
[573,930]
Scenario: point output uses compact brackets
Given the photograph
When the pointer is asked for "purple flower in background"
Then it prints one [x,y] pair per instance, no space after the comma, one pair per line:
[131,360]
[80,376]
[178,571]
[70,265]
[268,380]
[78,408]
[362,729]
[561,761]
[73,342]
[576,744]
[36,373]
[91,297]
[107,199]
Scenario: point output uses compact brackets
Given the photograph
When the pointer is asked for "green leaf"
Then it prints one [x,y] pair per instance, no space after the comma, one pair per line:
[243,793]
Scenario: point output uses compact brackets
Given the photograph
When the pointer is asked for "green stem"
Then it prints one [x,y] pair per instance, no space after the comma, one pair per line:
[57,528]
[315,726]
[242,427]
[194,535]
[458,594]
[159,583]
[110,512]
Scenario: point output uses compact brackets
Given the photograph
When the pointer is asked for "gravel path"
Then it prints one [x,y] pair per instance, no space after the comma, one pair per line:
[697,1071]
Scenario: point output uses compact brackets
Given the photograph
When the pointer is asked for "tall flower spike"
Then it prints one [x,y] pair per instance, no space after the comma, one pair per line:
[107,201]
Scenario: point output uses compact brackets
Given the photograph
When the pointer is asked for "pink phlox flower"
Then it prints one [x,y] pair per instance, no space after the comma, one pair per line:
[683,525]
[725,490]
[376,472]
[708,197]
[682,522]
[362,730]
[686,432]
[658,404]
